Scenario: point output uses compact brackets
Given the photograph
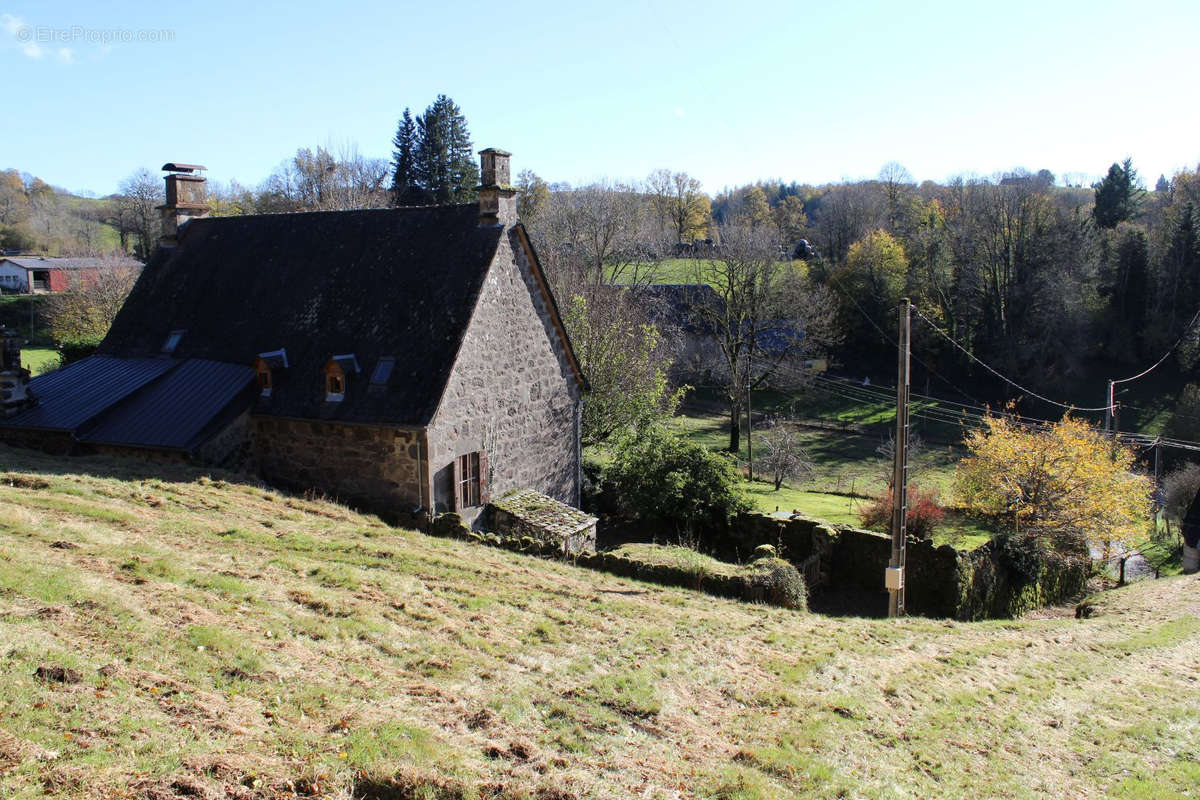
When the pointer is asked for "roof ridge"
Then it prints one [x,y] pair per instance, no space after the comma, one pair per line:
[318,211]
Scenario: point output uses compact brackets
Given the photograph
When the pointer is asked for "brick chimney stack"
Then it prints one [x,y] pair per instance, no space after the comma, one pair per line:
[186,199]
[497,195]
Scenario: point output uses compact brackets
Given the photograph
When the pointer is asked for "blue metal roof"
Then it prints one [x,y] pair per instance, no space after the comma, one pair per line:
[175,411]
[69,397]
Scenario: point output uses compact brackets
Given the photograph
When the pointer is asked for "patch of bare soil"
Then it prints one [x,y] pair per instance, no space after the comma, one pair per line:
[54,674]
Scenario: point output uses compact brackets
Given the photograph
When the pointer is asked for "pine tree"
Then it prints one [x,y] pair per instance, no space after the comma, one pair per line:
[1181,265]
[444,169]
[402,161]
[1117,196]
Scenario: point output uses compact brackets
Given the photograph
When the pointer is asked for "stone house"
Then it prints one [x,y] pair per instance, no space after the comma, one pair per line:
[407,360]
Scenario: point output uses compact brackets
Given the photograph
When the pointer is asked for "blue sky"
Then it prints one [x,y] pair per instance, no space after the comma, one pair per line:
[730,92]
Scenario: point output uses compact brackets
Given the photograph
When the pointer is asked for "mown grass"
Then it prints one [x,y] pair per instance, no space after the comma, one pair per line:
[40,359]
[234,641]
[848,469]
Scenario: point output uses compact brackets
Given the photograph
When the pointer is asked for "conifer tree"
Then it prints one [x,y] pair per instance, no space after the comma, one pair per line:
[444,166]
[433,162]
[1117,196]
[402,160]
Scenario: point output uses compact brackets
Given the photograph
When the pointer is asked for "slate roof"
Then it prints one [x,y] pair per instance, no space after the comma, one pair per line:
[143,402]
[69,397]
[52,262]
[176,411]
[670,304]
[375,283]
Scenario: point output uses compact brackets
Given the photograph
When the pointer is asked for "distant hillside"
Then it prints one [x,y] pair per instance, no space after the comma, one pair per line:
[36,217]
[170,634]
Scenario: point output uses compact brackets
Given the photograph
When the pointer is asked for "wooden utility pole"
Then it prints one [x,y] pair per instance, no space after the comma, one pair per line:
[894,577]
[749,416]
[1157,477]
[1110,395]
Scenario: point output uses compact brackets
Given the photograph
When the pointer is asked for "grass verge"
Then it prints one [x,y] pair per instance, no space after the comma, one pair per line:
[229,640]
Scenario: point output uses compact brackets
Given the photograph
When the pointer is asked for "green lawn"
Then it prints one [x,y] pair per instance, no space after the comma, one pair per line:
[847,462]
[40,359]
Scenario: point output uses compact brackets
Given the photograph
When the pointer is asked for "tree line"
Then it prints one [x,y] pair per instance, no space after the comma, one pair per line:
[1035,278]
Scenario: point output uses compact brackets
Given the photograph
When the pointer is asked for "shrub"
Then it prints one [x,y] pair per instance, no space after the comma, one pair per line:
[1179,489]
[1067,482]
[925,512]
[660,477]
[74,350]
[778,583]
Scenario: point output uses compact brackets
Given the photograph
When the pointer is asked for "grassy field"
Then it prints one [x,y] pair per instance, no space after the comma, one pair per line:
[847,463]
[39,359]
[226,640]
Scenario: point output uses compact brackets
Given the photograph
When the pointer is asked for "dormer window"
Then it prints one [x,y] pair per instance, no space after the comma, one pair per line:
[263,374]
[337,370]
[172,341]
[265,367]
[335,385]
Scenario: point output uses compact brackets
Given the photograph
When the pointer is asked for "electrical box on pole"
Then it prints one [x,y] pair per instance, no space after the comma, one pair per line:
[894,577]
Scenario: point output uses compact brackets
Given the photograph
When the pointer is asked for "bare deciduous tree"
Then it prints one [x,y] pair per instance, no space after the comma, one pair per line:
[86,310]
[324,179]
[766,316]
[782,456]
[140,195]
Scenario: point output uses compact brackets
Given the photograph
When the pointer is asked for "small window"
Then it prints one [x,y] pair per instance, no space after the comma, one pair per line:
[336,371]
[172,341]
[466,489]
[335,381]
[264,369]
[264,377]
[383,371]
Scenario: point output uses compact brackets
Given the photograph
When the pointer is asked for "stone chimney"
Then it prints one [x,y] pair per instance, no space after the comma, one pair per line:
[497,195]
[14,379]
[186,198]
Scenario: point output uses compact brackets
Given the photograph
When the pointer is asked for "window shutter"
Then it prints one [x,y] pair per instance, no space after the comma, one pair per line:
[456,485]
[484,475]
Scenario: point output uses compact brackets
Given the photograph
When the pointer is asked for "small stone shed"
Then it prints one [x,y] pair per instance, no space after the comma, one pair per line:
[550,524]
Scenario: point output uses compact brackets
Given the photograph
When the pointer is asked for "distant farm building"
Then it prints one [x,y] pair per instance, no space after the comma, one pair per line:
[37,274]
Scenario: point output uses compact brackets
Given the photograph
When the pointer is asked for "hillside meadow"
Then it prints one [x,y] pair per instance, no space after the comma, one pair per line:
[169,633]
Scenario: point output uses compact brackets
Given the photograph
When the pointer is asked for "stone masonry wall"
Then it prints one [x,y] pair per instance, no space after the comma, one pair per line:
[374,468]
[982,583]
[511,393]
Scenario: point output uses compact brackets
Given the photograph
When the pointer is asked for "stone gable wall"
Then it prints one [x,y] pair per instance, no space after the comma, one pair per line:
[511,393]
[373,468]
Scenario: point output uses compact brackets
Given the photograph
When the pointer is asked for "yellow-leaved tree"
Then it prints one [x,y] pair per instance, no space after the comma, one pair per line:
[1066,482]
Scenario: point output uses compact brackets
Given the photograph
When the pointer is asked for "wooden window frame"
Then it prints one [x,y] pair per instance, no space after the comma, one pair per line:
[471,480]
[264,377]
[335,382]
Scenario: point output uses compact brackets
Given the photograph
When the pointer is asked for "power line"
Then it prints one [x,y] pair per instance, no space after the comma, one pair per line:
[1007,380]
[977,413]
[1156,364]
[892,341]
